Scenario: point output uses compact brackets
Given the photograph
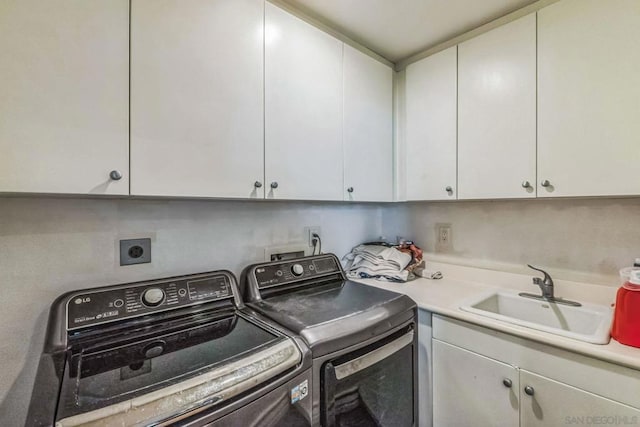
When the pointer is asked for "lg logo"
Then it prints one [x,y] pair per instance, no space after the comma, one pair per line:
[82,300]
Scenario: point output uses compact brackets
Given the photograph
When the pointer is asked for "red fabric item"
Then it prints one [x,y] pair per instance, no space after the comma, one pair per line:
[414,251]
[626,318]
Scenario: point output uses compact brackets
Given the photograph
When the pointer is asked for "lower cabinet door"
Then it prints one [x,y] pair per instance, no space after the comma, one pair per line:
[472,390]
[545,402]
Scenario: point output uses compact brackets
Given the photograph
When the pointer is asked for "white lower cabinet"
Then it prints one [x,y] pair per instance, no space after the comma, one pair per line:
[469,389]
[487,378]
[552,403]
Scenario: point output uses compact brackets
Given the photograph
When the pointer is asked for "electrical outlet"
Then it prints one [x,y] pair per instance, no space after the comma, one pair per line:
[135,251]
[310,231]
[444,235]
[443,238]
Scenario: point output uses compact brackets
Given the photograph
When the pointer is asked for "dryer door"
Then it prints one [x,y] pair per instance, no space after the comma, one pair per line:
[373,386]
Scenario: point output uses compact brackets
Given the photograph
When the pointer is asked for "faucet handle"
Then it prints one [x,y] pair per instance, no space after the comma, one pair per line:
[536,280]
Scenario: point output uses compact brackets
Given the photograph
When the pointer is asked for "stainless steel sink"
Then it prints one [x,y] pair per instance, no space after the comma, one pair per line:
[589,323]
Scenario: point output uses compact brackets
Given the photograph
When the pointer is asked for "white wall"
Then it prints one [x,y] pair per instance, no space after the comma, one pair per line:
[49,246]
[579,239]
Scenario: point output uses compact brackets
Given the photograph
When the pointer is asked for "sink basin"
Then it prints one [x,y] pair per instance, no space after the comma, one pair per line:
[589,323]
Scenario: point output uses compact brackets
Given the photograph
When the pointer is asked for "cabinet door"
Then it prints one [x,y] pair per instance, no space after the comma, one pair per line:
[303,110]
[497,113]
[431,121]
[554,404]
[368,128]
[470,390]
[589,98]
[64,96]
[196,98]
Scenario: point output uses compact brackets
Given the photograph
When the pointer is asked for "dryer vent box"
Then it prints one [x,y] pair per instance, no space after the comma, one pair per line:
[286,252]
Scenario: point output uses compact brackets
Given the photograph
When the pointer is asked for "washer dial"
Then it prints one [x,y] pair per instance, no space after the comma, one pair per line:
[153,297]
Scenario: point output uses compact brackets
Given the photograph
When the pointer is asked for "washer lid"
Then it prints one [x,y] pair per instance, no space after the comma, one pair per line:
[169,371]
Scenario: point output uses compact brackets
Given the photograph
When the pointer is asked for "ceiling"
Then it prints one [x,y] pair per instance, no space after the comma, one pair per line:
[397,29]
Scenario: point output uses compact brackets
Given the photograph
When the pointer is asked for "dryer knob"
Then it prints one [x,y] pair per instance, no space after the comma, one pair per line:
[297,270]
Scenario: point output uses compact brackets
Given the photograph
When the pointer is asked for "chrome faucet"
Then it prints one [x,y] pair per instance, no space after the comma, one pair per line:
[546,286]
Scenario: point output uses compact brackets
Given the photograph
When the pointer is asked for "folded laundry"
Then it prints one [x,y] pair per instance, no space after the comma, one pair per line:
[378,261]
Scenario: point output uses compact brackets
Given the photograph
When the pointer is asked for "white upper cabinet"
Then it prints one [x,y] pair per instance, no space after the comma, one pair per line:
[64,117]
[497,113]
[303,110]
[589,98]
[197,98]
[431,121]
[368,128]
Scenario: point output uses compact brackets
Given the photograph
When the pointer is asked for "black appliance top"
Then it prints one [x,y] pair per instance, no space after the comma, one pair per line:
[331,302]
[322,307]
[148,352]
[137,363]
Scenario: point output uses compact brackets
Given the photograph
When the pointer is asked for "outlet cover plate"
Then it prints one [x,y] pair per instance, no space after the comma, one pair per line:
[135,251]
[309,231]
[443,237]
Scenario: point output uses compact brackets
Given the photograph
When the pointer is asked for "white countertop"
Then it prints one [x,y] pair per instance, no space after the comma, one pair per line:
[445,296]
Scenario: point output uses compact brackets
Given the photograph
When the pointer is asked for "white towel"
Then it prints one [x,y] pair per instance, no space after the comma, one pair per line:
[377,261]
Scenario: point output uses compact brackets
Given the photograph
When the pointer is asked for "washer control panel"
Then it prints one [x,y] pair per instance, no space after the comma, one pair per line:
[101,306]
[292,271]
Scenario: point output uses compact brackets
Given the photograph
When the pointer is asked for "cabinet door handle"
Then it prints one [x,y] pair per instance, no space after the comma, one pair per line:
[274,184]
[257,184]
[529,391]
[115,175]
[545,183]
[350,189]
[526,184]
[449,189]
[507,382]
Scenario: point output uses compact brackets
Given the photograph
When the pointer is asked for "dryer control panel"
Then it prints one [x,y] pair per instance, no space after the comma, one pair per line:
[286,272]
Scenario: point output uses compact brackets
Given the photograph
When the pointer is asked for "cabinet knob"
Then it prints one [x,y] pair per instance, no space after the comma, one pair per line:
[350,189]
[449,189]
[115,175]
[529,391]
[545,183]
[507,382]
[526,184]
[257,184]
[274,184]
